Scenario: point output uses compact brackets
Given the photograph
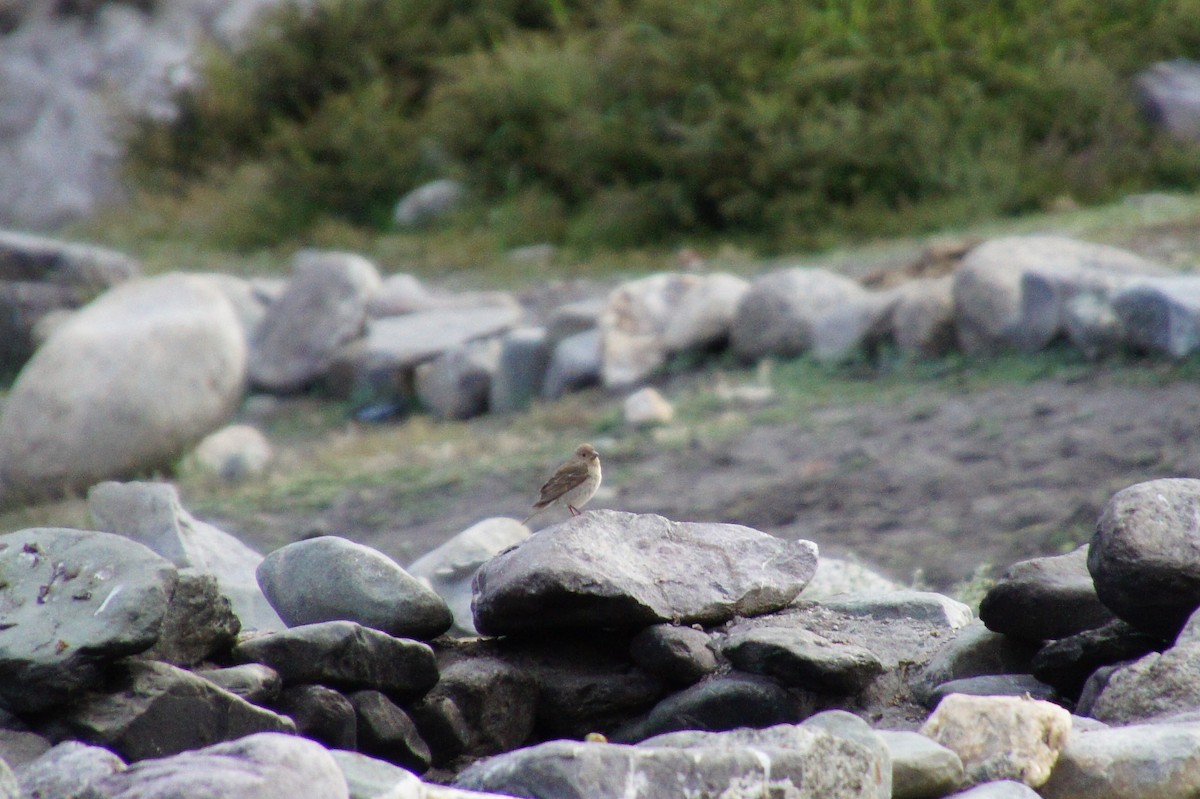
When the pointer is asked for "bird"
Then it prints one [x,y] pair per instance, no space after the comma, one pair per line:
[572,485]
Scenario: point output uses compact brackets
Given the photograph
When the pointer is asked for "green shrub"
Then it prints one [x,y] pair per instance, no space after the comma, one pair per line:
[620,123]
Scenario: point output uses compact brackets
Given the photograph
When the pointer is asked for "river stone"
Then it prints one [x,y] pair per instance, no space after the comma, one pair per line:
[320,713]
[235,453]
[331,578]
[1067,663]
[725,702]
[1000,737]
[974,652]
[1145,554]
[324,307]
[261,766]
[644,575]
[151,514]
[1154,686]
[154,709]
[450,569]
[814,760]
[254,682]
[991,310]
[428,202]
[1142,760]
[399,343]
[524,359]
[457,384]
[480,706]
[682,655]
[67,770]
[781,311]
[994,685]
[385,731]
[344,654]
[128,384]
[26,258]
[802,658]
[1000,789]
[73,600]
[921,768]
[575,364]
[923,317]
[1045,598]
[925,606]
[1161,315]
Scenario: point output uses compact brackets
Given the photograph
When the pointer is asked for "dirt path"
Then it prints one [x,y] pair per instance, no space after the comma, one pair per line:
[939,484]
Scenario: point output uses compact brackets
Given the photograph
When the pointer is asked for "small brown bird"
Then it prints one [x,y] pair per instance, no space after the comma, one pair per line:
[573,484]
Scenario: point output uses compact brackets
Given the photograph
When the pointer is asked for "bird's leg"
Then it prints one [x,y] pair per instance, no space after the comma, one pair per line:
[574,510]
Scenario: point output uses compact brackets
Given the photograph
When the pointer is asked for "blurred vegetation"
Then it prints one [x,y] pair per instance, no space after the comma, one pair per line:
[621,122]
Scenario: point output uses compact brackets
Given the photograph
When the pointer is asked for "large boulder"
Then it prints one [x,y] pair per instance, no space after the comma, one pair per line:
[1154,686]
[634,323]
[67,770]
[1009,292]
[331,578]
[830,756]
[1145,555]
[323,308]
[788,312]
[126,385]
[646,575]
[73,600]
[1169,94]
[151,514]
[704,313]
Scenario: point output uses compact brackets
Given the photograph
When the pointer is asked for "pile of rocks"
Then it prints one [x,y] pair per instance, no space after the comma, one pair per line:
[130,382]
[622,655]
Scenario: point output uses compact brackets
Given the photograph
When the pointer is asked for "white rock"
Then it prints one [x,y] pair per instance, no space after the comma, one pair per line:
[634,323]
[647,407]
[1147,760]
[1000,737]
[234,453]
[704,313]
[125,386]
[923,319]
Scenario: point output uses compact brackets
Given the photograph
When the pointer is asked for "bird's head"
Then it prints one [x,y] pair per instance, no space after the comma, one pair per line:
[586,452]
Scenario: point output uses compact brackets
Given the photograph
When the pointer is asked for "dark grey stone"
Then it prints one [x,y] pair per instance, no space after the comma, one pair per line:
[524,359]
[575,364]
[802,658]
[320,713]
[1067,663]
[344,654]
[1045,598]
[73,600]
[385,731]
[480,706]
[254,682]
[725,702]
[553,579]
[331,578]
[994,685]
[682,655]
[921,767]
[976,651]
[154,709]
[1143,556]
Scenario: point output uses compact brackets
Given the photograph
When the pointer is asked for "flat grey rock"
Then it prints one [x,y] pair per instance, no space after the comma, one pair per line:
[611,569]
[1045,598]
[66,770]
[153,709]
[344,654]
[73,600]
[261,766]
[921,767]
[802,658]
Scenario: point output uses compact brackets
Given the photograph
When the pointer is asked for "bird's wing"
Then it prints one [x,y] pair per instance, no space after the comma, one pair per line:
[567,477]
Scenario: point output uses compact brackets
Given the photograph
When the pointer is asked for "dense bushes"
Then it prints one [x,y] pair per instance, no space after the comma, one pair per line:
[633,120]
